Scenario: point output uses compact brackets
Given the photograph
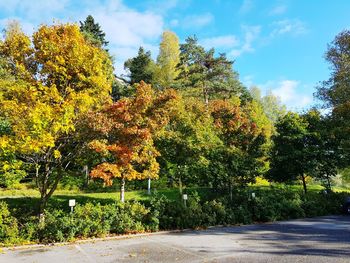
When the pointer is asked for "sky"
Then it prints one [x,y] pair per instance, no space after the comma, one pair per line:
[277,45]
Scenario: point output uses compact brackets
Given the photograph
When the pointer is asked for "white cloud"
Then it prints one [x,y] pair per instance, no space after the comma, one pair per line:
[247,5]
[227,41]
[278,10]
[290,93]
[293,27]
[251,33]
[197,20]
[174,22]
[126,28]
[129,28]
[34,10]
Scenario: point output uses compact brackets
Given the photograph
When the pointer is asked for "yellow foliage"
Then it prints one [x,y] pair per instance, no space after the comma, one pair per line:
[58,77]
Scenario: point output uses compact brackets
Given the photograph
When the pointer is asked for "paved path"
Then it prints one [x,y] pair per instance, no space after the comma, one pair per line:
[323,239]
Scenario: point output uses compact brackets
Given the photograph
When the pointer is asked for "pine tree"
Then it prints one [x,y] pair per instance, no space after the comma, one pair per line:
[93,31]
[206,75]
[141,67]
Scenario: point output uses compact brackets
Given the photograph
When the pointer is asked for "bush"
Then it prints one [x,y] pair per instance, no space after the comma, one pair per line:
[96,220]
[9,233]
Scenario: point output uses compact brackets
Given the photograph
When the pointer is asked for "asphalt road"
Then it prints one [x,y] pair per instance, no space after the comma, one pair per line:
[323,239]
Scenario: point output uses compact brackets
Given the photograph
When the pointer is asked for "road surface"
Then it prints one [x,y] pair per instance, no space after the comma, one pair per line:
[322,239]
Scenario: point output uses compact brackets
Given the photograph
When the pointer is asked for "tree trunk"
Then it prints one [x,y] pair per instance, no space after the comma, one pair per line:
[328,183]
[206,98]
[180,185]
[149,186]
[87,177]
[42,206]
[122,190]
[304,183]
[230,189]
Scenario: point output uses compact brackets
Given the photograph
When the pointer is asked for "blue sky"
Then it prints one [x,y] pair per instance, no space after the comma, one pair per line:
[277,45]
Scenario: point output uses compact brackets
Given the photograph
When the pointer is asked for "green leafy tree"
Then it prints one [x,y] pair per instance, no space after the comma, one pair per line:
[93,31]
[335,92]
[185,142]
[329,153]
[294,153]
[271,104]
[141,67]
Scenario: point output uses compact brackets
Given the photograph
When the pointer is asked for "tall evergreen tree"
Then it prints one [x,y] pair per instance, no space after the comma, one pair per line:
[141,67]
[203,74]
[93,31]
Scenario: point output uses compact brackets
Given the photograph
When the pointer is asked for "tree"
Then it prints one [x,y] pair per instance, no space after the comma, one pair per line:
[329,153]
[167,61]
[294,153]
[271,104]
[57,78]
[126,129]
[141,67]
[245,132]
[203,75]
[185,143]
[335,92]
[93,32]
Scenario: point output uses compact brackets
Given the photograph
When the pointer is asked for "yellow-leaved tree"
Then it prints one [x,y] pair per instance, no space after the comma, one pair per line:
[58,76]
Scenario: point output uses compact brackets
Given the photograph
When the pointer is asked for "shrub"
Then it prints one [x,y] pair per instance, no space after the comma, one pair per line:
[9,233]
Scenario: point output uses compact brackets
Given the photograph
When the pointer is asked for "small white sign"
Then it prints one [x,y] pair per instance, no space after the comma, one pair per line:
[71,202]
[184,196]
[253,195]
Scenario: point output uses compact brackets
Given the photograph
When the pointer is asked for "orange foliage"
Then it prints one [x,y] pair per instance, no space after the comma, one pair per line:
[127,129]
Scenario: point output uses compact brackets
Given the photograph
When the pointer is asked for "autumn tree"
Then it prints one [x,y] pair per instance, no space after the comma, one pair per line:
[93,32]
[127,129]
[11,168]
[57,77]
[141,67]
[245,132]
[169,57]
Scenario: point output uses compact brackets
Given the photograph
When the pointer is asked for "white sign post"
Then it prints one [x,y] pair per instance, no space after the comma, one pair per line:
[184,197]
[253,195]
[71,204]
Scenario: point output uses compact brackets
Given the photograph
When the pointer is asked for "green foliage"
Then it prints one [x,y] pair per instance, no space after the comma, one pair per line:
[202,209]
[141,67]
[96,220]
[292,154]
[9,233]
[93,31]
[203,75]
[334,92]
[270,103]
[169,56]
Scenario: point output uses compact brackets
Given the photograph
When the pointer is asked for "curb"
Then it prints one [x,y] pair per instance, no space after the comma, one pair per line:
[92,240]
